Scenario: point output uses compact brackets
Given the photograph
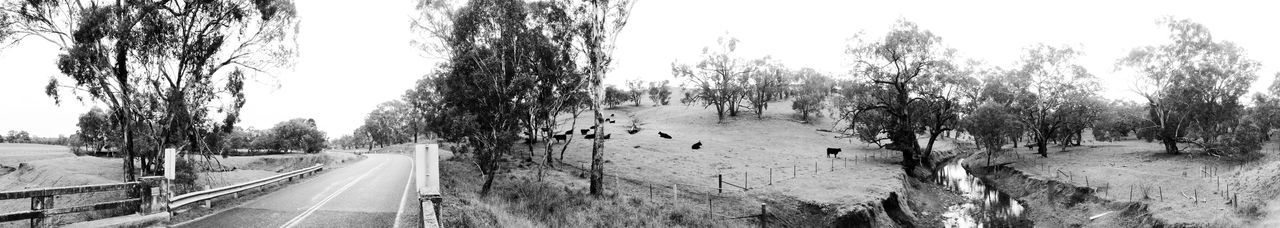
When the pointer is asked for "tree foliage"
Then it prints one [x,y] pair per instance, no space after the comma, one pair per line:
[987,125]
[95,129]
[905,83]
[1193,85]
[660,92]
[172,72]
[1052,96]
[299,134]
[635,90]
[718,76]
[810,98]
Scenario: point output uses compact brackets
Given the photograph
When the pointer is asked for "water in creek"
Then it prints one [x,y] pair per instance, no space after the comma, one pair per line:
[984,206]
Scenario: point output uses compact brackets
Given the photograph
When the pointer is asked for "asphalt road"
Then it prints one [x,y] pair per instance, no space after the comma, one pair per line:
[369,193]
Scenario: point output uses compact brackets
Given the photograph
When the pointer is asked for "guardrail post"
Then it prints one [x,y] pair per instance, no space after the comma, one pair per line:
[427,161]
[155,194]
[41,203]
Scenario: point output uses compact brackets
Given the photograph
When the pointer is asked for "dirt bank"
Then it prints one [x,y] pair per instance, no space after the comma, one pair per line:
[1051,203]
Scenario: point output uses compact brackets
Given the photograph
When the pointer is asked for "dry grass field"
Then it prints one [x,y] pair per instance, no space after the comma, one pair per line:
[1170,184]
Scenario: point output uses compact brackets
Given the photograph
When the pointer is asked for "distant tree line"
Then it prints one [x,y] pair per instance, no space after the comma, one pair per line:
[909,84]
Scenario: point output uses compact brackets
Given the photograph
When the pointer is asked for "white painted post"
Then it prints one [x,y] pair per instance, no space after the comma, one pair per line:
[170,163]
[427,171]
[433,169]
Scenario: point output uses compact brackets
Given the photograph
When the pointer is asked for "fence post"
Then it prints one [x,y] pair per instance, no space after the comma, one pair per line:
[744,181]
[770,176]
[763,211]
[833,165]
[675,193]
[793,171]
[41,203]
[720,183]
[708,206]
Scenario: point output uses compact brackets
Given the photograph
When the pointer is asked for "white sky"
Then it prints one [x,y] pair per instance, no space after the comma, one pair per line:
[355,56]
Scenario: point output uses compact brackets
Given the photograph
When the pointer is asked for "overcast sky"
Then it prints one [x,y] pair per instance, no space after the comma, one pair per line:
[356,55]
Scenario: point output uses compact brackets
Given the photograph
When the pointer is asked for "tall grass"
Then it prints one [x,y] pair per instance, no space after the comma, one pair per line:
[523,202]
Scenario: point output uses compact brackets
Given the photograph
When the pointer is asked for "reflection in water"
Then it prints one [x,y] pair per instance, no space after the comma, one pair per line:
[985,207]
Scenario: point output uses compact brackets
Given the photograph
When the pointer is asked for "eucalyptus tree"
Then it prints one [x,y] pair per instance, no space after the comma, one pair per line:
[764,84]
[719,76]
[1050,92]
[1192,86]
[600,24]
[95,129]
[636,90]
[660,92]
[167,69]
[811,95]
[505,73]
[905,83]
[986,123]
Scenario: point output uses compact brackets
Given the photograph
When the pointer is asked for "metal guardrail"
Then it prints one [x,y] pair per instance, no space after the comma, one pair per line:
[42,201]
[189,198]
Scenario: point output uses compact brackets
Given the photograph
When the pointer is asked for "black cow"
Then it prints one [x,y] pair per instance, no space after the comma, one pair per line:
[569,132]
[608,120]
[562,137]
[591,136]
[833,152]
[610,115]
[697,145]
[612,121]
[584,131]
[664,135]
[608,136]
[633,131]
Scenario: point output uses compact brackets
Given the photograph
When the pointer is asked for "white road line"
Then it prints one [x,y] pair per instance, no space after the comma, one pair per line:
[296,220]
[412,168]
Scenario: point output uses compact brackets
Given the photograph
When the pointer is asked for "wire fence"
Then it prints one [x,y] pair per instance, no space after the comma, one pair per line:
[738,183]
[1223,177]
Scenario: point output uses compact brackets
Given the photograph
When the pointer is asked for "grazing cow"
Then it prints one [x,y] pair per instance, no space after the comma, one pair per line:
[562,137]
[569,132]
[697,145]
[601,120]
[664,135]
[633,131]
[608,136]
[611,121]
[610,115]
[608,120]
[584,131]
[591,136]
[833,152]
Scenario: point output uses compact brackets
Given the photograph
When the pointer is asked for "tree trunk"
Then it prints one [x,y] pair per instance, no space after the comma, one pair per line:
[122,76]
[597,144]
[1170,146]
[1079,137]
[1042,147]
[488,183]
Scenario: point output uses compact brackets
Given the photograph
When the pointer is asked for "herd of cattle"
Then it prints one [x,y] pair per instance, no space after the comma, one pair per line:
[587,134]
